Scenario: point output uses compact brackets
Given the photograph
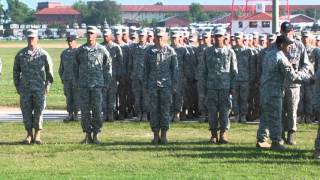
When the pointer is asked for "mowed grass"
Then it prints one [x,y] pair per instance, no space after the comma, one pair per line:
[8,95]
[126,153]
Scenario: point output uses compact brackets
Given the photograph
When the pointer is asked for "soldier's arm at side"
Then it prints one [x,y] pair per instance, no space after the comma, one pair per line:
[120,60]
[107,67]
[49,72]
[61,67]
[305,65]
[233,69]
[175,72]
[16,73]
[146,71]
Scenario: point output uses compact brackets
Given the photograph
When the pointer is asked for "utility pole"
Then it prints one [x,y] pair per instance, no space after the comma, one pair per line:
[275,16]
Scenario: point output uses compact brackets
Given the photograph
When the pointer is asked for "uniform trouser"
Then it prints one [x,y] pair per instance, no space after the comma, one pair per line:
[271,109]
[126,97]
[109,96]
[160,102]
[317,141]
[32,103]
[91,102]
[140,98]
[306,99]
[71,93]
[240,97]
[201,96]
[290,108]
[190,94]
[254,100]
[218,103]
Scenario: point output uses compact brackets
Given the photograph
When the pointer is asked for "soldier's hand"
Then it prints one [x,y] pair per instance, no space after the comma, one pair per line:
[174,91]
[46,92]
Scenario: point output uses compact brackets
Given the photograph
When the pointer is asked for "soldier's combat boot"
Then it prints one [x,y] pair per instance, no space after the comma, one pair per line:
[68,118]
[176,117]
[75,116]
[223,137]
[263,144]
[183,116]
[283,137]
[144,117]
[214,137]
[243,119]
[308,119]
[87,139]
[156,138]
[277,146]
[110,117]
[163,139]
[29,138]
[290,140]
[95,139]
[316,153]
[37,137]
[138,117]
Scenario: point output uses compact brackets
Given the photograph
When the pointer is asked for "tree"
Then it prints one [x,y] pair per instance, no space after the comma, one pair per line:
[20,13]
[195,13]
[96,12]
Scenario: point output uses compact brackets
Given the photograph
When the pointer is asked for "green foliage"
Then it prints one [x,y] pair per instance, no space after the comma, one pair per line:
[195,13]
[20,13]
[126,153]
[62,28]
[97,11]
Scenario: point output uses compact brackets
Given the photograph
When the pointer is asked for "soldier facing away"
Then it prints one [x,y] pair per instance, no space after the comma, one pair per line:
[67,75]
[93,74]
[32,75]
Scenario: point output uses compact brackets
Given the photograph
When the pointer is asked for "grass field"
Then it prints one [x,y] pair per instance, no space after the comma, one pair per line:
[8,51]
[126,153]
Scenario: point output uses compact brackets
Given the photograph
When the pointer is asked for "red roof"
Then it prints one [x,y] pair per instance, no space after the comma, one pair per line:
[65,10]
[257,17]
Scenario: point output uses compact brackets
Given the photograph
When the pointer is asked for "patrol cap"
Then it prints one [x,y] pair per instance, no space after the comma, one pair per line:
[238,35]
[283,39]
[117,31]
[71,36]
[245,37]
[125,30]
[206,34]
[134,34]
[250,36]
[306,33]
[186,34]
[271,36]
[286,27]
[107,32]
[193,37]
[227,35]
[174,34]
[160,31]
[142,32]
[318,38]
[297,37]
[150,33]
[255,35]
[219,31]
[32,33]
[262,37]
[92,29]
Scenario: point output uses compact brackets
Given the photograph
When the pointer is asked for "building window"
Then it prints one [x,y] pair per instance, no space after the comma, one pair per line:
[265,24]
[253,24]
[240,24]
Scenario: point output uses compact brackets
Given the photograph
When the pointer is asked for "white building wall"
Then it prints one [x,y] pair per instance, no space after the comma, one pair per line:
[148,16]
[246,29]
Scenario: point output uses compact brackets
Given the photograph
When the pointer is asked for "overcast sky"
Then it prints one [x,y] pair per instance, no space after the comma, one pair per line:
[33,3]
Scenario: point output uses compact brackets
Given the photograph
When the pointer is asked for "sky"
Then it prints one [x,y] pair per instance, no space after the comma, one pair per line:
[33,3]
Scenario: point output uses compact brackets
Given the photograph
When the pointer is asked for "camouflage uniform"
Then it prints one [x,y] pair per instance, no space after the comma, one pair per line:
[136,66]
[93,74]
[275,69]
[298,57]
[219,73]
[110,93]
[160,78]
[66,72]
[246,72]
[316,94]
[32,75]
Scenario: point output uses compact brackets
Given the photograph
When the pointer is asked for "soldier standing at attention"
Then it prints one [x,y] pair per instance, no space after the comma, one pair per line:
[161,79]
[219,73]
[316,103]
[298,57]
[110,93]
[32,75]
[93,74]
[67,75]
[137,53]
[276,68]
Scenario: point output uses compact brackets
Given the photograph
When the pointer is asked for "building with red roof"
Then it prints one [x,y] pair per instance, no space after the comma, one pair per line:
[259,22]
[57,13]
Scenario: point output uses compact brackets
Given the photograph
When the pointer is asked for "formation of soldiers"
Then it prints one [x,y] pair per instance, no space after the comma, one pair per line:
[211,75]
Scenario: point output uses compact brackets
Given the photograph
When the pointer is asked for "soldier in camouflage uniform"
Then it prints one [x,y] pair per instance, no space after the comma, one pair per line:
[316,102]
[150,38]
[200,83]
[298,57]
[32,75]
[219,73]
[93,74]
[66,73]
[110,93]
[305,109]
[136,66]
[275,69]
[161,79]
[245,73]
